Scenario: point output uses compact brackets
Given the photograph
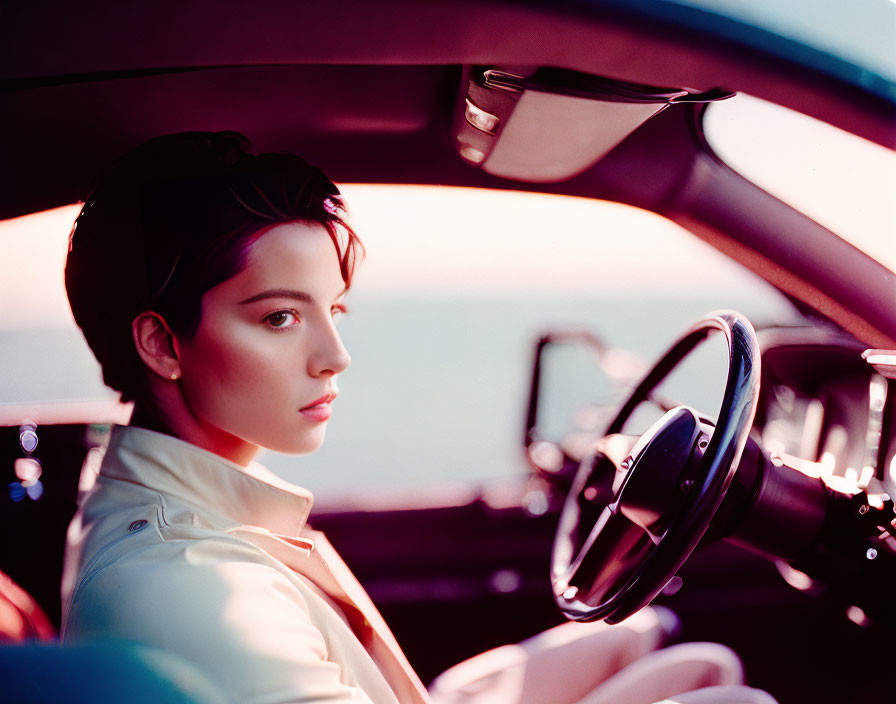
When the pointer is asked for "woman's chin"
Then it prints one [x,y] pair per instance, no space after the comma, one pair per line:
[304,444]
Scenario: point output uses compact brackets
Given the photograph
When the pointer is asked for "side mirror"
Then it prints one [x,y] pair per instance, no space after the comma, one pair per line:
[577,381]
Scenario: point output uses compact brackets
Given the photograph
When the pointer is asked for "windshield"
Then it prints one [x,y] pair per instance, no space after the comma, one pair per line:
[841,181]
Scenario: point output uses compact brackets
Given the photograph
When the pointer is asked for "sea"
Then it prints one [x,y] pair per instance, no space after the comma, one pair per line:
[436,394]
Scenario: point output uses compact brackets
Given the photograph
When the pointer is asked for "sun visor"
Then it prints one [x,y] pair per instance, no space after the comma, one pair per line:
[555,123]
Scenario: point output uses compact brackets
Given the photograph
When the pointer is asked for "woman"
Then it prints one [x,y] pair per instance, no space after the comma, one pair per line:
[207,282]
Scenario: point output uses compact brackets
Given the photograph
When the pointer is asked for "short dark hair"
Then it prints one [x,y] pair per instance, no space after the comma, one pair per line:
[174,218]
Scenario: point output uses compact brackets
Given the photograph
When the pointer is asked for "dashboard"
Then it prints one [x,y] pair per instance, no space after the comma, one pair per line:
[821,403]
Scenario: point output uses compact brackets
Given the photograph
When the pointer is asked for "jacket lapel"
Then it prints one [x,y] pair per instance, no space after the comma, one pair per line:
[313,557]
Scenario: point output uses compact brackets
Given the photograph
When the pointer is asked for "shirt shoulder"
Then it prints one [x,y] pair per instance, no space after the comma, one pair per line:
[221,605]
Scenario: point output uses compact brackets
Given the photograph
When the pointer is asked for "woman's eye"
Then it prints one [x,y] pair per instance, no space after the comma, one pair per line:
[282,319]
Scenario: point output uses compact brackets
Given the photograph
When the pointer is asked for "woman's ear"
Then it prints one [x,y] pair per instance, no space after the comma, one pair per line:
[156,344]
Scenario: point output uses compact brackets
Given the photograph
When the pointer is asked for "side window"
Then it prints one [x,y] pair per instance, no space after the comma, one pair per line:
[44,358]
[444,313]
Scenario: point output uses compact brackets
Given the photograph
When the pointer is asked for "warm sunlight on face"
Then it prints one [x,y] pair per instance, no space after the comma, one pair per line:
[262,366]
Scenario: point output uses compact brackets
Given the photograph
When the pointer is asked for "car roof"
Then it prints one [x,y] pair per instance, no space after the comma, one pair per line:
[369,92]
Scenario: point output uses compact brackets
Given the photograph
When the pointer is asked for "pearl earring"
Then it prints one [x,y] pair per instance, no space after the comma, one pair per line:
[173,376]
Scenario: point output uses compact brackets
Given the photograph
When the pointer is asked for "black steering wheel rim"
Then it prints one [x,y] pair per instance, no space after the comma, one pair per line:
[715,470]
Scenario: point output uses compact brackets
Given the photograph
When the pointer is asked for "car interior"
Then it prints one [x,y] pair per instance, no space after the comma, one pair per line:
[758,507]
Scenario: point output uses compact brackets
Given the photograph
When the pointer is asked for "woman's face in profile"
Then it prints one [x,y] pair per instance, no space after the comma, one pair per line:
[262,365]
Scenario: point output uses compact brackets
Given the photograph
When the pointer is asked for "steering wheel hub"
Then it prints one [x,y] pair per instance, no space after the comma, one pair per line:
[659,471]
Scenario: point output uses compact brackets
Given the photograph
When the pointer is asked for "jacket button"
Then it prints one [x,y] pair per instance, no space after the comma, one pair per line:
[137,525]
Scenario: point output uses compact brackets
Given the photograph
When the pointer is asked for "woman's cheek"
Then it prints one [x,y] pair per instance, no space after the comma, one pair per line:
[236,352]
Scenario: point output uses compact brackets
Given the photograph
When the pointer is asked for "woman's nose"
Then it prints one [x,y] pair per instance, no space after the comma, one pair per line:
[330,356]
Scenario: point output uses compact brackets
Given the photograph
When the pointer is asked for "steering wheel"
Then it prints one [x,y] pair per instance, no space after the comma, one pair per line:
[638,507]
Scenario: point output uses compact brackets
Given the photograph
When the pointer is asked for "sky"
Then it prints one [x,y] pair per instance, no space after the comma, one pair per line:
[863,31]
[446,243]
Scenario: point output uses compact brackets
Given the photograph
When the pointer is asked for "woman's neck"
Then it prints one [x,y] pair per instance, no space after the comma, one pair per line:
[181,424]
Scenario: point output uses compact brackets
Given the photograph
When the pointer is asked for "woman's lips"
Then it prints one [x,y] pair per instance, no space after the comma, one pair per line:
[319,410]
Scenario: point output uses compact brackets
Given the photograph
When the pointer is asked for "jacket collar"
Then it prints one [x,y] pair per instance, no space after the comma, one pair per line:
[222,489]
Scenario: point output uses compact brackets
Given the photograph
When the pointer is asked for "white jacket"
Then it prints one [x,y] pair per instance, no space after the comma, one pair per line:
[180,549]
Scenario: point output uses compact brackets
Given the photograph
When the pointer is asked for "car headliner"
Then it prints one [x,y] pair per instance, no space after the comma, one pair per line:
[368,93]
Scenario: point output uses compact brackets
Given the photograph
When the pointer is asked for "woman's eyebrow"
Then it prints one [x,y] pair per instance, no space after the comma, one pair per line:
[280,293]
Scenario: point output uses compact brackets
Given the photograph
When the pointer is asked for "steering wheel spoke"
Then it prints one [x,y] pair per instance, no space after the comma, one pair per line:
[609,556]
